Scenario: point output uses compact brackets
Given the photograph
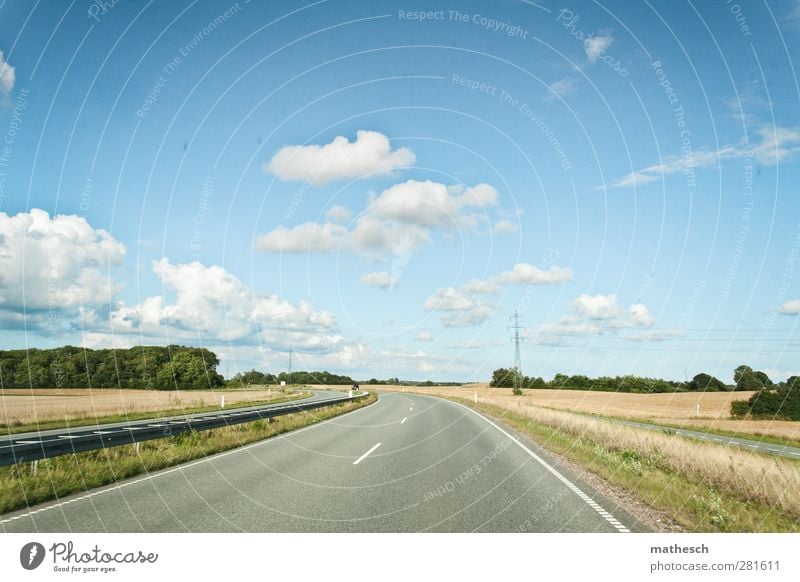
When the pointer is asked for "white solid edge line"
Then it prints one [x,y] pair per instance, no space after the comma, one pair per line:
[405,418]
[156,474]
[574,488]
[364,456]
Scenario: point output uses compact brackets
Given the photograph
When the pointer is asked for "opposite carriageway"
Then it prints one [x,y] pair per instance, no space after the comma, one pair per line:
[32,446]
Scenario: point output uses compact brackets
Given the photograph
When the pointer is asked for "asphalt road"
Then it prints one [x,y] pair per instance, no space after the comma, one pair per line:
[407,463]
[751,444]
[26,436]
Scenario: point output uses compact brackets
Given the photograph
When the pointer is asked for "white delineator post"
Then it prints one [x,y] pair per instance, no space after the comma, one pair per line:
[350,395]
[697,409]
[476,397]
[222,402]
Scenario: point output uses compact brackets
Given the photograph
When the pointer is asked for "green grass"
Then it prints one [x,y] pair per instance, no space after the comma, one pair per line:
[696,506]
[22,485]
[88,420]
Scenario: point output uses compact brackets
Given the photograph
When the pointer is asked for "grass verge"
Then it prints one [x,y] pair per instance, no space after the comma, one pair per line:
[89,420]
[23,485]
[703,487]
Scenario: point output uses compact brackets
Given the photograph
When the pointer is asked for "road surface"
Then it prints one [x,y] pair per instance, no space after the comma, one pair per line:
[407,463]
[751,444]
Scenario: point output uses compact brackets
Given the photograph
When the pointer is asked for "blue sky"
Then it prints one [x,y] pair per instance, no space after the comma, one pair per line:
[380,188]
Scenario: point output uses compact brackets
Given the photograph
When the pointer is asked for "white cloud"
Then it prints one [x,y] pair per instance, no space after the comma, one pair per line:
[303,238]
[561,88]
[481,287]
[597,306]
[399,221]
[459,309]
[429,204]
[370,153]
[338,214]
[773,144]
[640,316]
[7,75]
[380,279]
[505,227]
[55,263]
[790,307]
[479,196]
[596,314]
[424,336]
[212,303]
[595,46]
[526,274]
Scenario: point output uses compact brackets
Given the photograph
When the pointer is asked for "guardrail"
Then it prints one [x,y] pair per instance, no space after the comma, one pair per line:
[33,446]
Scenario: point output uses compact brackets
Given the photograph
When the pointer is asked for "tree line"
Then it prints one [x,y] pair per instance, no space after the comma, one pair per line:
[745,378]
[771,400]
[149,367]
[256,378]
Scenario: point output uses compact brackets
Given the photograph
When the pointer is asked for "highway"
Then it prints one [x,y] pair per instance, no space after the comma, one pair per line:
[749,444]
[408,463]
[15,448]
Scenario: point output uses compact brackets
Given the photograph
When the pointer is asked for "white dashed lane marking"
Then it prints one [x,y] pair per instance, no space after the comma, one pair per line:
[364,456]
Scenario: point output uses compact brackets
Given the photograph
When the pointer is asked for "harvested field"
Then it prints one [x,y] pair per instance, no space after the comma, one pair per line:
[21,406]
[678,408]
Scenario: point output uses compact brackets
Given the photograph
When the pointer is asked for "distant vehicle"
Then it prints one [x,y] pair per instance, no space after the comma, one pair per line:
[356,387]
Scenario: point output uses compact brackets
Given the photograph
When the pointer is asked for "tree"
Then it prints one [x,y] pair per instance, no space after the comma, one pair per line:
[745,378]
[706,383]
[772,401]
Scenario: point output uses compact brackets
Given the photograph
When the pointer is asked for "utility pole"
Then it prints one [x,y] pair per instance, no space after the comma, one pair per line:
[516,318]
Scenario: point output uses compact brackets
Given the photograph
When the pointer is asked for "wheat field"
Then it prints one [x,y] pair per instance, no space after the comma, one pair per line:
[679,408]
[21,406]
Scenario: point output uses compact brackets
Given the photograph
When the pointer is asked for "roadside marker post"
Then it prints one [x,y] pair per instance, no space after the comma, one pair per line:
[476,397]
[222,402]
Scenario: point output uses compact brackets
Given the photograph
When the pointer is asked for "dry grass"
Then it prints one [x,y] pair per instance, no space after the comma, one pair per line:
[20,406]
[674,409]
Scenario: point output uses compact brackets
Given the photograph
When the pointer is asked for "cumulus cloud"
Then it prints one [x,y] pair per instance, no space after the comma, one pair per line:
[595,46]
[380,279]
[338,214]
[303,238]
[7,75]
[526,274]
[772,144]
[460,310]
[505,227]
[57,262]
[462,307]
[212,303]
[374,238]
[399,221]
[639,315]
[429,204]
[597,306]
[481,287]
[790,307]
[596,314]
[370,153]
